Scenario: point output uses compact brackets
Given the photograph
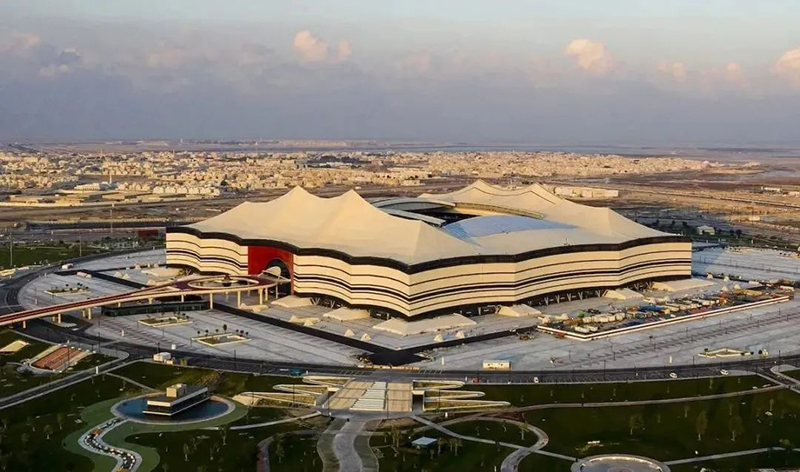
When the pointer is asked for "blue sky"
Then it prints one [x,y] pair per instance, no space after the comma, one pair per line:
[666,72]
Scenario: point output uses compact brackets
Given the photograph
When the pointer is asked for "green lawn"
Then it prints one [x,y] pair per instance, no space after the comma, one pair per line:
[795,374]
[189,450]
[522,395]
[773,459]
[296,453]
[540,463]
[160,376]
[92,361]
[669,431]
[24,444]
[496,431]
[42,253]
[467,456]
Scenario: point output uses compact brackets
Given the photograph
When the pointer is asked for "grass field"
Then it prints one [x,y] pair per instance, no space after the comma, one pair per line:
[522,395]
[467,456]
[795,374]
[160,376]
[38,254]
[772,459]
[670,431]
[295,452]
[496,431]
[25,446]
[540,463]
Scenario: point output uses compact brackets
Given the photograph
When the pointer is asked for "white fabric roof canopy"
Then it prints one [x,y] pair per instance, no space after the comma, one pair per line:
[350,224]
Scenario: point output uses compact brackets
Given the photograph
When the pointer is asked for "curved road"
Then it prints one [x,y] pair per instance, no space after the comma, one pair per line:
[92,441]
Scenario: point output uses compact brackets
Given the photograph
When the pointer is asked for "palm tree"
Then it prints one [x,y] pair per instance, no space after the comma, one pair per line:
[735,426]
[636,422]
[48,431]
[701,425]
[279,451]
[223,431]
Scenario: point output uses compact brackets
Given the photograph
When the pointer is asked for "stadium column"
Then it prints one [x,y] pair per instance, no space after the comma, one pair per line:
[260,296]
[211,300]
[24,324]
[89,313]
[238,299]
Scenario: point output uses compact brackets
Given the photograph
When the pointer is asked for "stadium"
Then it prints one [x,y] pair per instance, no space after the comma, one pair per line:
[474,249]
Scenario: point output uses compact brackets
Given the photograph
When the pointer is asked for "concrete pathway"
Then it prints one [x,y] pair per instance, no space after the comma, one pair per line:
[131,381]
[268,423]
[344,446]
[510,464]
[325,450]
[722,456]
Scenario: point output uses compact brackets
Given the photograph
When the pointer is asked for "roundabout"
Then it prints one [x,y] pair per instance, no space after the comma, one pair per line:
[618,463]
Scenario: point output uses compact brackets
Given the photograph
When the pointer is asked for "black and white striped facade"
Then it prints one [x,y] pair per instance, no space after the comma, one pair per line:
[489,274]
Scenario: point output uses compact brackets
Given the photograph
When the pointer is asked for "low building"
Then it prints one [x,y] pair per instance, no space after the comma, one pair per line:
[178,398]
[704,229]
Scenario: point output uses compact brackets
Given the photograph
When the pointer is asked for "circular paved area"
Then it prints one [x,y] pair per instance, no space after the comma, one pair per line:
[618,463]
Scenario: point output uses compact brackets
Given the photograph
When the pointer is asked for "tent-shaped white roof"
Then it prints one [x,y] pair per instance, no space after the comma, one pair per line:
[346,223]
[514,221]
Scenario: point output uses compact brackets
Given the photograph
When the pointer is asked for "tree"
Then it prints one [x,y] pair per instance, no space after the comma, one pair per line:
[223,431]
[396,437]
[701,424]
[186,451]
[636,422]
[279,451]
[225,328]
[48,430]
[522,428]
[735,426]
[60,421]
[453,443]
[788,446]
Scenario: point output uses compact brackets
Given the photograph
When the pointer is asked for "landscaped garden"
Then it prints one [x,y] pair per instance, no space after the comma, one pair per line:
[32,433]
[674,430]
[536,394]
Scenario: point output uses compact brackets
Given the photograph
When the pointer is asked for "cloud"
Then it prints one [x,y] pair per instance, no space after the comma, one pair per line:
[309,47]
[19,43]
[344,51]
[788,66]
[417,63]
[674,70]
[590,55]
[62,63]
[166,58]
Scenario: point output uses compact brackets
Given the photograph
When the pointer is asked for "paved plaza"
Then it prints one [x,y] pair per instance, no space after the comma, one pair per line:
[775,329]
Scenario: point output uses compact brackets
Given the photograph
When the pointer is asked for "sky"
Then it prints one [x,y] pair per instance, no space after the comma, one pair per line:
[619,72]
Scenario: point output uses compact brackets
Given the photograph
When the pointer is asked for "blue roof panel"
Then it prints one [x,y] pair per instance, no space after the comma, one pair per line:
[498,224]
